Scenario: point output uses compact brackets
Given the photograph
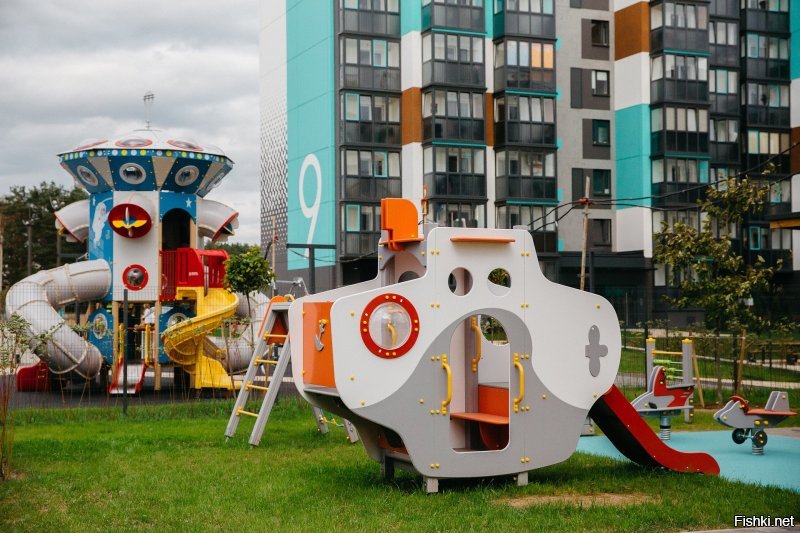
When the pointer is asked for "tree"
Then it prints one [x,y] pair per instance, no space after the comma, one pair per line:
[233,248]
[15,338]
[246,273]
[705,268]
[35,206]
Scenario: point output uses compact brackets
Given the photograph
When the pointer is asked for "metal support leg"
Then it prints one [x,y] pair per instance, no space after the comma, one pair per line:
[522,479]
[430,484]
[352,432]
[319,417]
[387,468]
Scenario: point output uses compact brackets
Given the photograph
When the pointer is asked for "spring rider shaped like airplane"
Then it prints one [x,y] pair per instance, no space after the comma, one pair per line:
[413,360]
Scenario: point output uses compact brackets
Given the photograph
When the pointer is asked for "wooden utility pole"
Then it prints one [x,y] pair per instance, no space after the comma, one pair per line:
[586,203]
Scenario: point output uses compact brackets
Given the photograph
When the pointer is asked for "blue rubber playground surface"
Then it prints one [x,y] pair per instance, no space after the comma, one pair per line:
[779,466]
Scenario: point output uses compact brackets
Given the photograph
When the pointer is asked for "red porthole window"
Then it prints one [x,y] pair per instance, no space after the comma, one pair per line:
[135,277]
[389,326]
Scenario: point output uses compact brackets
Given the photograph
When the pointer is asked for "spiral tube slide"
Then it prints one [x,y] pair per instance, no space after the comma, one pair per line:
[238,351]
[36,299]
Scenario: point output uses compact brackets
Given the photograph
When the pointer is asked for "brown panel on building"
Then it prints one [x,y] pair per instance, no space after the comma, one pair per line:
[411,119]
[632,30]
[489,119]
[794,160]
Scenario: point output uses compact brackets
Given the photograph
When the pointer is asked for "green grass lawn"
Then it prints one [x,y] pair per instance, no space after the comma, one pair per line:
[169,467]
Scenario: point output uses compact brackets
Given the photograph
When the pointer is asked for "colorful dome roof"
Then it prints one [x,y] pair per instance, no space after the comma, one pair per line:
[146,160]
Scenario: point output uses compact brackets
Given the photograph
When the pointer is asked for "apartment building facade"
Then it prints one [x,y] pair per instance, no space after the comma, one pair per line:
[492,113]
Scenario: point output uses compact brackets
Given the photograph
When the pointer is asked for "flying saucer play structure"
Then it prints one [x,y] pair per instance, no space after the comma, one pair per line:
[145,220]
[462,360]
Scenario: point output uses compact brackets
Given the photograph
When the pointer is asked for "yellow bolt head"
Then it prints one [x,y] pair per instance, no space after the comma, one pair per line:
[758,422]
[363,402]
[421,400]
[544,396]
[766,422]
[352,378]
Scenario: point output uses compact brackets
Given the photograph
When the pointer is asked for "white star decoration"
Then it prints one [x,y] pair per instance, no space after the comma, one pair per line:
[188,203]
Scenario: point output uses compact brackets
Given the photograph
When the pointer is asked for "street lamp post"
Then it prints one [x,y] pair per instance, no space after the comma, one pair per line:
[56,205]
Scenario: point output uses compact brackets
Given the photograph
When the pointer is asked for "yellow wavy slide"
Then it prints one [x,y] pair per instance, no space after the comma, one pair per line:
[187,342]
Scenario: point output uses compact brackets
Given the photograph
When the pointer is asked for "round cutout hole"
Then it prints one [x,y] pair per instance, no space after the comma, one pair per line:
[460,281]
[499,281]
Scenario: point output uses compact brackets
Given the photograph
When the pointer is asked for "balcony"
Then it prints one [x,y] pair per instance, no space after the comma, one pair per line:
[190,267]
[781,162]
[525,187]
[453,129]
[524,24]
[525,78]
[679,142]
[777,209]
[354,244]
[437,14]
[449,73]
[363,132]
[724,55]
[766,69]
[441,185]
[724,104]
[771,258]
[684,39]
[369,22]
[667,90]
[545,242]
[724,153]
[532,134]
[724,8]
[370,189]
[369,78]
[765,116]
[677,193]
[764,21]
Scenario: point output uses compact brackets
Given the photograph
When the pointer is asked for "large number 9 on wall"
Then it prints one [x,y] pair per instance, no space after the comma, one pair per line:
[311,212]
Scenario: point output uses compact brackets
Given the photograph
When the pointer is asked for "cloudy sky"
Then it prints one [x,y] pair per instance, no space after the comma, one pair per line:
[77,69]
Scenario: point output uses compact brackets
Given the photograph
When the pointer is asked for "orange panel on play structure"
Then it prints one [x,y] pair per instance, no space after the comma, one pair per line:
[317,344]
[399,220]
[493,400]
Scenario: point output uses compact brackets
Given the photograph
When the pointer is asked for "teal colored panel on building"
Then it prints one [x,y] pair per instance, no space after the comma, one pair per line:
[560,245]
[702,169]
[794,43]
[311,113]
[489,18]
[632,137]
[410,16]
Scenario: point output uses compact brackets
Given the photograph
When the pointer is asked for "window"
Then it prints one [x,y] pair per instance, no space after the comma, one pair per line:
[762,47]
[369,164]
[685,16]
[601,182]
[600,82]
[544,7]
[459,214]
[679,67]
[723,33]
[537,217]
[601,231]
[599,33]
[526,54]
[601,135]
[767,95]
[722,81]
[351,106]
[754,234]
[724,130]
[767,143]
[686,119]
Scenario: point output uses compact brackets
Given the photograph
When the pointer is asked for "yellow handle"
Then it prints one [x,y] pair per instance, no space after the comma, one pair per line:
[288,297]
[477,330]
[519,398]
[394,334]
[446,368]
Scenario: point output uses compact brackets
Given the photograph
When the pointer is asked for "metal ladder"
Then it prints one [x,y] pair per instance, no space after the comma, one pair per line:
[278,311]
[272,381]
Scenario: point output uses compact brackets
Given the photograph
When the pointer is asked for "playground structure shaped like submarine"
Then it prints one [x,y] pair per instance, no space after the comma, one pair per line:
[405,357]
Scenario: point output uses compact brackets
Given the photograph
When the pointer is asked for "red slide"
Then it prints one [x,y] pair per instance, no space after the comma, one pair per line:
[633,437]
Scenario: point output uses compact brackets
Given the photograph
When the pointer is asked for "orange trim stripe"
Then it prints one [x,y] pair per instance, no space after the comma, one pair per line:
[632,30]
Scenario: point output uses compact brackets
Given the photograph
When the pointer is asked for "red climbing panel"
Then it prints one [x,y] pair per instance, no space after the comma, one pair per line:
[633,437]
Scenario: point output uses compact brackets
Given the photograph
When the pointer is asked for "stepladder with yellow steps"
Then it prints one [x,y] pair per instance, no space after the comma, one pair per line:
[266,373]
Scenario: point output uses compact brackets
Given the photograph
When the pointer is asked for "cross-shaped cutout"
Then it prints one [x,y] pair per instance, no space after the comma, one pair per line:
[595,350]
